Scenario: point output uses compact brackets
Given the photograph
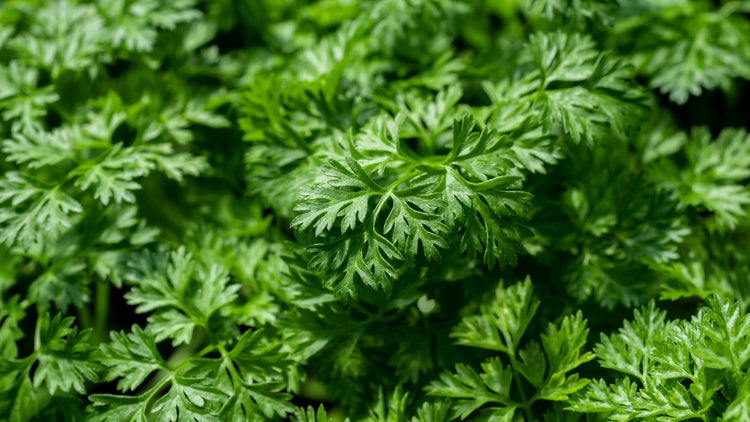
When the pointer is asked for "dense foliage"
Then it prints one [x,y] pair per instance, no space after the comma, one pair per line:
[380,210]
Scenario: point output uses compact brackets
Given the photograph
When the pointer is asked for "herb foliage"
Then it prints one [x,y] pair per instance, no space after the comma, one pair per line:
[380,210]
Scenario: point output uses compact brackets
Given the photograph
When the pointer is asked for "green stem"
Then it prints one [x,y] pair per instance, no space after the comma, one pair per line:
[65,114]
[427,141]
[184,352]
[84,316]
[154,390]
[415,172]
[236,377]
[101,312]
[178,360]
[517,378]
[362,310]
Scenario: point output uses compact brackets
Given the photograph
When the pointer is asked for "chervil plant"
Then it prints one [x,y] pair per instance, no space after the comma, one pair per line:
[379,210]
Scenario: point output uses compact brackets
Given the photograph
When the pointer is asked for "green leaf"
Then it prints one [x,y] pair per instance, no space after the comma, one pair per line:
[629,350]
[45,215]
[64,357]
[188,399]
[21,99]
[678,366]
[562,346]
[173,324]
[311,415]
[392,409]
[706,50]
[724,330]
[64,36]
[11,313]
[106,407]
[480,194]
[502,322]
[269,398]
[710,178]
[176,283]
[433,412]
[471,390]
[136,22]
[20,400]
[365,256]
[175,165]
[578,10]
[37,148]
[131,357]
[413,224]
[257,358]
[573,86]
[344,202]
[740,406]
[113,174]
[61,285]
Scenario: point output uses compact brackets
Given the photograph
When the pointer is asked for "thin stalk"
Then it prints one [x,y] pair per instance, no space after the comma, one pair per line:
[84,317]
[185,351]
[101,313]
[178,360]
[517,378]
[427,141]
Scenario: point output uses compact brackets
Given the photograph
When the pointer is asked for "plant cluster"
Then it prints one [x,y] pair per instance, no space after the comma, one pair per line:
[377,210]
